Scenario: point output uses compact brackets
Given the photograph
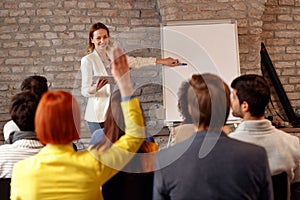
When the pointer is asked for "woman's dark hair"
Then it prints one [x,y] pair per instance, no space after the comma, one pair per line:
[183,102]
[114,124]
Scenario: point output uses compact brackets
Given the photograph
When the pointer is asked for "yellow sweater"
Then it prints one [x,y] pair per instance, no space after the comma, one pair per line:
[58,172]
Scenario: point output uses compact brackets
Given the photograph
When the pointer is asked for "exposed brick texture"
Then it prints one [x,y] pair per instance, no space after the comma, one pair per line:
[50,37]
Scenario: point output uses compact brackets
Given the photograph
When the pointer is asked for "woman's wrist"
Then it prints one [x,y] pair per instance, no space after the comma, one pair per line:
[126,90]
[125,86]
[158,61]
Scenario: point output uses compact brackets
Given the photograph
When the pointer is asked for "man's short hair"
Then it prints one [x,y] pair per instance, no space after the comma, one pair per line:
[209,100]
[22,110]
[254,90]
[36,84]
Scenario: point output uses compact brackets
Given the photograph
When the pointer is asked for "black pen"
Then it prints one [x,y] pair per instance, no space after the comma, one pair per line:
[182,64]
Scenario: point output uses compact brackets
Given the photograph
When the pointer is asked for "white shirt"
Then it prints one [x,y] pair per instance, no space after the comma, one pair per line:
[9,127]
[12,153]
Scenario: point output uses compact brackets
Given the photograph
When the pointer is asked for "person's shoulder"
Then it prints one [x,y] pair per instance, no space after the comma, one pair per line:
[9,127]
[284,134]
[88,56]
[4,148]
[292,141]
[240,132]
[245,147]
[25,163]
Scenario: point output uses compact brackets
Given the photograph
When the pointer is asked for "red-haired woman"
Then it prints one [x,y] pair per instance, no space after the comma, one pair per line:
[57,171]
[97,63]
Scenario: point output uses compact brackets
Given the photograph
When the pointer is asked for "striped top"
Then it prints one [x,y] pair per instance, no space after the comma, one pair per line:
[12,153]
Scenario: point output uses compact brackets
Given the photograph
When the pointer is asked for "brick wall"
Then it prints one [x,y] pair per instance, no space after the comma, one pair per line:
[281,34]
[50,37]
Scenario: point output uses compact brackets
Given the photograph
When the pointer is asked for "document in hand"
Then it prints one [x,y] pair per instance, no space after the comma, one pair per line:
[110,79]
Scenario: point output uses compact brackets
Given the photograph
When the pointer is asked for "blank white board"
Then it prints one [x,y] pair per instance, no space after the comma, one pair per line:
[207,47]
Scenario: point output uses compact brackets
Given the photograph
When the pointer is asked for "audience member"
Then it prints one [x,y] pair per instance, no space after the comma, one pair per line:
[186,129]
[57,171]
[250,96]
[22,143]
[211,165]
[135,181]
[36,84]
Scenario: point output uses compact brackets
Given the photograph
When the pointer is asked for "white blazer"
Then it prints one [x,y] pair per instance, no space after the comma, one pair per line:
[98,101]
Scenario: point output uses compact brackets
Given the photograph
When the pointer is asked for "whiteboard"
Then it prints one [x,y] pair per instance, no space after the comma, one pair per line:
[207,47]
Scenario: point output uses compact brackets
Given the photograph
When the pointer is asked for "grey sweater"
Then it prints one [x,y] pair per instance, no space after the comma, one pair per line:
[283,149]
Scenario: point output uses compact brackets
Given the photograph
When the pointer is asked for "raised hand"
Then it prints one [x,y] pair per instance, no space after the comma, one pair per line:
[120,72]
[120,64]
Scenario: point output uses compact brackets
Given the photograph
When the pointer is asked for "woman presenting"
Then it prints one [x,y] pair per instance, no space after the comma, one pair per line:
[98,63]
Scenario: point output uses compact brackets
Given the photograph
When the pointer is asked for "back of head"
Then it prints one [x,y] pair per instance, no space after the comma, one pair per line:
[36,84]
[22,110]
[57,119]
[254,90]
[209,100]
[183,102]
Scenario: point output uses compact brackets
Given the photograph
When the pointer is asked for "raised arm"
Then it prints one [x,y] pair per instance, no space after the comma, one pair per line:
[121,73]
[137,62]
[120,153]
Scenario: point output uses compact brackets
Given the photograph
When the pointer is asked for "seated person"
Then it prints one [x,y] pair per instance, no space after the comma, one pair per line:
[24,142]
[187,128]
[36,84]
[135,181]
[66,174]
[211,165]
[251,94]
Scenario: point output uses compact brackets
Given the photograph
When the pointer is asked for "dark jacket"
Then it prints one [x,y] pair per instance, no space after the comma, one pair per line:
[135,181]
[231,170]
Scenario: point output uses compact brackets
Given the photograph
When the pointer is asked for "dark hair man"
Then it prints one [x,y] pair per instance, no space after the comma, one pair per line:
[250,96]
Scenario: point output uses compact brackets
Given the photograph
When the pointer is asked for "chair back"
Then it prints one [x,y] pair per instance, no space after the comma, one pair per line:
[295,191]
[5,188]
[280,186]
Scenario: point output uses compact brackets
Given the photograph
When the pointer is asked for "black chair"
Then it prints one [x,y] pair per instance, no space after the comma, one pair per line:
[280,186]
[295,191]
[5,188]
